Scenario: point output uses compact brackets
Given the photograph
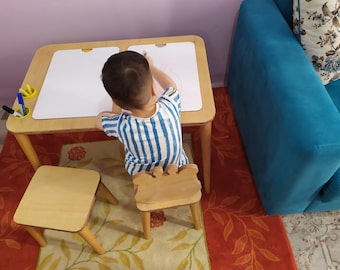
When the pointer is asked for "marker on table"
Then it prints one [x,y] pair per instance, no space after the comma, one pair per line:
[27,91]
[11,111]
[21,103]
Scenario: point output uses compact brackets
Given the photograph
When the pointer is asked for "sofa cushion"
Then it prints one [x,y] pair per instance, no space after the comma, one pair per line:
[316,24]
[333,91]
[331,189]
[286,8]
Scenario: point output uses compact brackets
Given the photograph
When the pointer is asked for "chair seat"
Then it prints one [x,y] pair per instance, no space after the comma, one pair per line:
[165,189]
[58,198]
[165,194]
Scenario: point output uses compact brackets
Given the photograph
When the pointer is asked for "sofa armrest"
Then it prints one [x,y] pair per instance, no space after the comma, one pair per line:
[289,124]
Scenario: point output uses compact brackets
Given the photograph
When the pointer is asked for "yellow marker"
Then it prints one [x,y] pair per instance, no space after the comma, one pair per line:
[28,91]
[23,92]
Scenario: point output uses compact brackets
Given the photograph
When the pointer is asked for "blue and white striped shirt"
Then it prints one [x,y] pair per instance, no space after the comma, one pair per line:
[152,141]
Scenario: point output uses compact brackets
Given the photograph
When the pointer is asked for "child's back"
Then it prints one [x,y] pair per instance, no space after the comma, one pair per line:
[151,131]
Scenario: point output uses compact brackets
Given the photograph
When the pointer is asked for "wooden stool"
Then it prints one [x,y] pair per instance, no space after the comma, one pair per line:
[61,198]
[174,187]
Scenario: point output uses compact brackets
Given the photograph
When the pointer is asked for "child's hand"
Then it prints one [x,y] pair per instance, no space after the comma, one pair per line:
[98,121]
[150,60]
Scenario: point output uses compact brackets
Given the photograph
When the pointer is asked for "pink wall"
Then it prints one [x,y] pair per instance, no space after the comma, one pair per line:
[27,25]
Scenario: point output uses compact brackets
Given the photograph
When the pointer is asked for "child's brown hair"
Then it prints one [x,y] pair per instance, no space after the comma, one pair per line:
[128,80]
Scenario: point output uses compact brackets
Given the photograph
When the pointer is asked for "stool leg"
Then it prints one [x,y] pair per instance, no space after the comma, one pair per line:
[37,235]
[196,215]
[107,194]
[146,223]
[91,240]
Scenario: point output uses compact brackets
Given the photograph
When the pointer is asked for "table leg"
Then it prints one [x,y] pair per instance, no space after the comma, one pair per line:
[37,235]
[206,154]
[26,145]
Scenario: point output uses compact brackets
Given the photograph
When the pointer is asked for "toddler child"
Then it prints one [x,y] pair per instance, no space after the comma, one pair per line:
[148,127]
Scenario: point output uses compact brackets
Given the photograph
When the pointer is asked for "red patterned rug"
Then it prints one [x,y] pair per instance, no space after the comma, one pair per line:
[238,233]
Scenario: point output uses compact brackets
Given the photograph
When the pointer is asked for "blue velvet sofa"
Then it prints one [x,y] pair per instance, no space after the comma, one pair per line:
[288,120]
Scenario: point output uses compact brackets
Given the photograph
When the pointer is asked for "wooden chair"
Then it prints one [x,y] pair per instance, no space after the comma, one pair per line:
[175,187]
[61,198]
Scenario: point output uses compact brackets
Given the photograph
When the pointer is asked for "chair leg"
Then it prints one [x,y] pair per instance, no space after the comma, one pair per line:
[37,235]
[91,240]
[196,215]
[146,223]
[107,194]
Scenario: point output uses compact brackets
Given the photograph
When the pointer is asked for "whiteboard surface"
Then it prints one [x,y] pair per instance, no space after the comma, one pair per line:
[178,60]
[73,87]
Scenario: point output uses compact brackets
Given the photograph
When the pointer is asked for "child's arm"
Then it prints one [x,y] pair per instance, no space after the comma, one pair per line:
[115,110]
[98,120]
[160,76]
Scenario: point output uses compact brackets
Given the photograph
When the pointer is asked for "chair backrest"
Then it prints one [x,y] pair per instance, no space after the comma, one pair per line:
[286,8]
[159,184]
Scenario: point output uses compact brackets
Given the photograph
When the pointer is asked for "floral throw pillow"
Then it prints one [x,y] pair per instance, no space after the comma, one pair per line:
[316,23]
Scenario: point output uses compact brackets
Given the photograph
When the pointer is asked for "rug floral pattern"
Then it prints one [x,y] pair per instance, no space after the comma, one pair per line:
[175,244]
[238,232]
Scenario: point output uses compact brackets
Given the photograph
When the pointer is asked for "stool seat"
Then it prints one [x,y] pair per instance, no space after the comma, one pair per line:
[60,198]
[164,189]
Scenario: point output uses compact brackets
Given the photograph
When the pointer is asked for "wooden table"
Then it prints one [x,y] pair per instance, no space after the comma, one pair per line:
[22,128]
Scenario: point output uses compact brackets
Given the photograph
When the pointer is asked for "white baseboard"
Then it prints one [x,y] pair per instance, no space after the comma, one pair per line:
[218,84]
